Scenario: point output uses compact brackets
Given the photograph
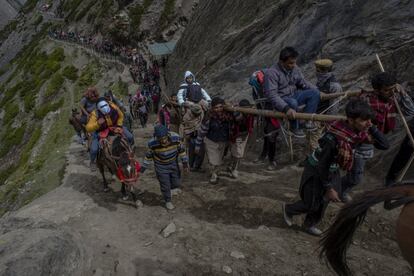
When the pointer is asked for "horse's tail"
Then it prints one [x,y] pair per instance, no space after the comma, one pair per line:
[337,238]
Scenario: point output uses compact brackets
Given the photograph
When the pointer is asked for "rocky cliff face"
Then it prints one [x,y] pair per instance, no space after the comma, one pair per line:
[9,9]
[227,40]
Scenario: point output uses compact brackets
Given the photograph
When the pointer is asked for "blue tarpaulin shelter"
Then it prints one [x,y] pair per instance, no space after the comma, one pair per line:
[162,49]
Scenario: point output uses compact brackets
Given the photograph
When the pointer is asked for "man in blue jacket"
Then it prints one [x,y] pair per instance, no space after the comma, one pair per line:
[286,89]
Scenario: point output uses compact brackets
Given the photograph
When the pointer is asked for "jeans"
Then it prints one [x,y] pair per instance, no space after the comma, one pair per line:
[310,98]
[94,149]
[168,181]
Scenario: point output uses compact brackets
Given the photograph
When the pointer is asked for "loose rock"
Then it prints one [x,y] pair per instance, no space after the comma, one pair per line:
[237,255]
[170,229]
[227,269]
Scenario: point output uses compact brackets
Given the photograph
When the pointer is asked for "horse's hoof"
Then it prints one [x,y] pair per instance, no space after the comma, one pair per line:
[139,204]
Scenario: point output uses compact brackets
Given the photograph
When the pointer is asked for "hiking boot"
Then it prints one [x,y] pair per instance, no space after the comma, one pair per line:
[213,178]
[234,174]
[310,126]
[92,166]
[286,217]
[313,231]
[272,166]
[169,205]
[298,133]
[346,198]
[260,160]
[176,191]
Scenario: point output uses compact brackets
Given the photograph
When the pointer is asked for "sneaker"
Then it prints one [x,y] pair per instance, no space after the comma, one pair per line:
[313,231]
[125,197]
[298,133]
[286,217]
[92,166]
[272,166]
[213,179]
[310,126]
[176,191]
[346,198]
[234,174]
[260,160]
[169,205]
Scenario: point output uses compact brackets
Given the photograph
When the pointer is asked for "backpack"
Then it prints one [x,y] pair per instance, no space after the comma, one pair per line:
[192,92]
[256,81]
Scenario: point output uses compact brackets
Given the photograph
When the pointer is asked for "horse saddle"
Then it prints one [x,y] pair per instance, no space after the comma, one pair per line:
[107,137]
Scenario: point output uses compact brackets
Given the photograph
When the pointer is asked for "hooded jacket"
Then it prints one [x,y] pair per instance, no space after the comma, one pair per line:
[114,118]
[182,92]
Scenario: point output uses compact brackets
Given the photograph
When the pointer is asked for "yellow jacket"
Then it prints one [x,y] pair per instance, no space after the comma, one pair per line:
[93,125]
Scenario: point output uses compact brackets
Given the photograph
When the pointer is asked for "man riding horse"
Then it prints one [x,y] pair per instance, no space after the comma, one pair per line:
[106,115]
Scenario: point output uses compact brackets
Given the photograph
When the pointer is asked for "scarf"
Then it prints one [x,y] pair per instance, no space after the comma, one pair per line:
[385,112]
[347,139]
[322,78]
[247,122]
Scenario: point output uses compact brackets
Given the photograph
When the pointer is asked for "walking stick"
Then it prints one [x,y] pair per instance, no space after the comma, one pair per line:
[407,128]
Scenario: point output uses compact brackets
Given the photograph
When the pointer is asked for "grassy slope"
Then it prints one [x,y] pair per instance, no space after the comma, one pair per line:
[39,75]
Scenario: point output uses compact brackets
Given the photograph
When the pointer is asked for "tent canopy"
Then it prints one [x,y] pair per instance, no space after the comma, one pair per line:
[162,49]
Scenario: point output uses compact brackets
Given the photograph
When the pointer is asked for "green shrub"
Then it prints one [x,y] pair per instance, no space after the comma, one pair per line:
[146,4]
[43,110]
[12,137]
[135,14]
[29,6]
[54,85]
[29,102]
[88,77]
[11,110]
[70,72]
[8,29]
[166,14]
[120,88]
[38,20]
[27,150]
[85,10]
[4,174]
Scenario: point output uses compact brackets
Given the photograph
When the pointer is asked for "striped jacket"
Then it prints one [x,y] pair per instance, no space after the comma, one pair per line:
[165,156]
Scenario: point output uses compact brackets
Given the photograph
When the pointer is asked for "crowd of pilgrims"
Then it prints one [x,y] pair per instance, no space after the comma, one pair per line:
[191,127]
[138,66]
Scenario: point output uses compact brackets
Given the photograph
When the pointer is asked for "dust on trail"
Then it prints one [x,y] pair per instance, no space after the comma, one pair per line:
[236,224]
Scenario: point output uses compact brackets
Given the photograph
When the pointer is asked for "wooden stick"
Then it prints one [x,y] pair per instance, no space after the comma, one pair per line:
[339,94]
[280,115]
[407,128]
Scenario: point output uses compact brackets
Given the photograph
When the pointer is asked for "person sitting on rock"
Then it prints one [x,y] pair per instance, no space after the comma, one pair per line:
[106,115]
[286,89]
[88,104]
[164,149]
[215,133]
[320,182]
[191,92]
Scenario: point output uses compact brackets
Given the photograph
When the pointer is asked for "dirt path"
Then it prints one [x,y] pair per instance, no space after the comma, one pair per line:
[78,229]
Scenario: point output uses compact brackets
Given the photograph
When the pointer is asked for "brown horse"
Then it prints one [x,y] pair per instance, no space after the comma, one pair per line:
[75,121]
[116,155]
[338,237]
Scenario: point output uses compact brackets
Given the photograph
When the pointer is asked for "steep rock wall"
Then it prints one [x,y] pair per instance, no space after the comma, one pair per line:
[227,40]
